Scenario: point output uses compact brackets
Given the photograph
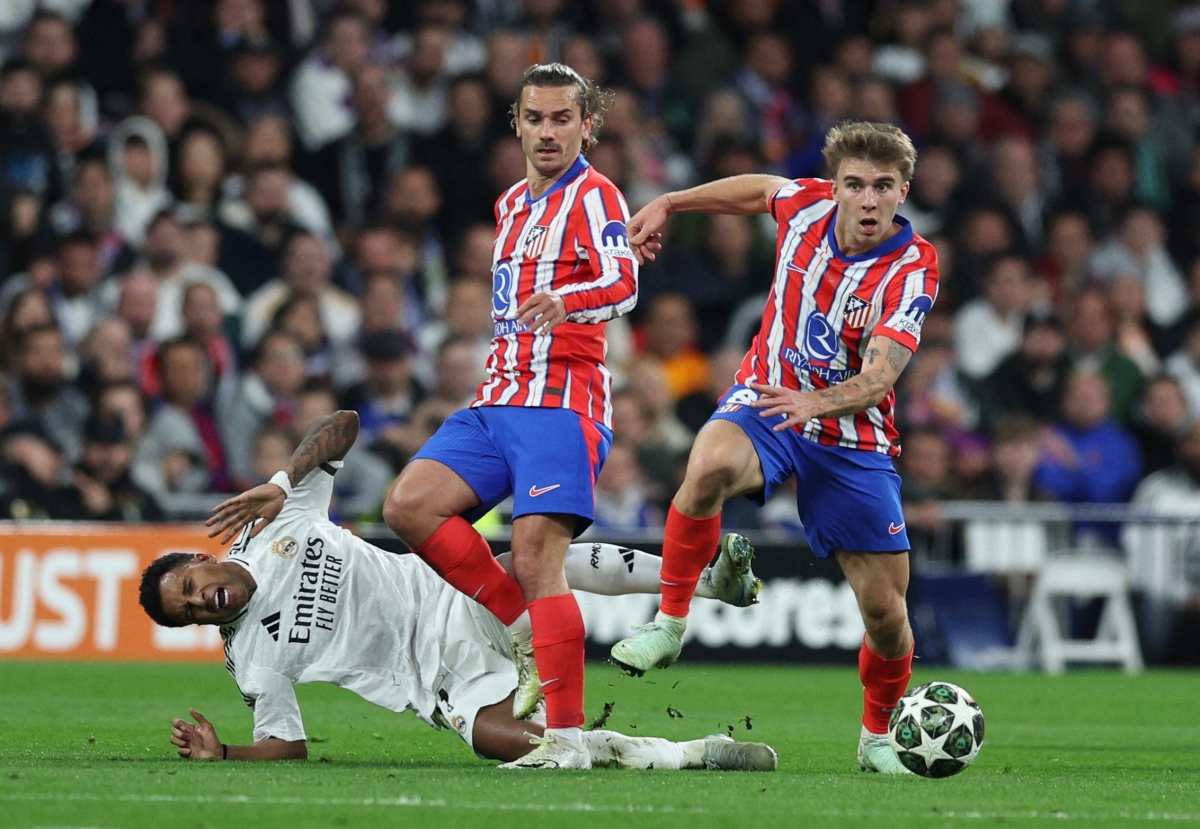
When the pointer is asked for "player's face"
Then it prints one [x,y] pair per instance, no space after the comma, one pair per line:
[203,591]
[867,195]
[551,128]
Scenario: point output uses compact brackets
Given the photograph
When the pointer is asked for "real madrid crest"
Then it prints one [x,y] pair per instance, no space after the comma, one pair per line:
[284,547]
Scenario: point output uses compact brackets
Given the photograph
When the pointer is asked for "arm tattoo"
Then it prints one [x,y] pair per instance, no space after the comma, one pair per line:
[328,439]
[897,356]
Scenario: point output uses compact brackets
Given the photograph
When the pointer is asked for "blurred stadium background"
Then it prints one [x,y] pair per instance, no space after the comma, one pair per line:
[221,219]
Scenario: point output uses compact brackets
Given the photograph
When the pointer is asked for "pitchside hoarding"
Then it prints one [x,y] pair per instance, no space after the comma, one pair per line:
[69,591]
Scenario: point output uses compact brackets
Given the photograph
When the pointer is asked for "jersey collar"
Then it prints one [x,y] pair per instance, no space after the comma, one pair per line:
[566,178]
[903,238]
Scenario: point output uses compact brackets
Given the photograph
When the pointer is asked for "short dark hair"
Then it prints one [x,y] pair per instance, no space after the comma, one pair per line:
[149,594]
[593,101]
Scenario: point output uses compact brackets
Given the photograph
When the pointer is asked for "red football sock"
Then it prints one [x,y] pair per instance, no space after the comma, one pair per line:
[460,555]
[558,650]
[688,547]
[884,682]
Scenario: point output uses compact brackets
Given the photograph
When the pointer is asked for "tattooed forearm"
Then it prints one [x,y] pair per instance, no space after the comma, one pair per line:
[328,439]
[854,395]
[897,356]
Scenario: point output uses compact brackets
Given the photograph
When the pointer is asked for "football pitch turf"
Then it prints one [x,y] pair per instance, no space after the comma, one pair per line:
[87,745]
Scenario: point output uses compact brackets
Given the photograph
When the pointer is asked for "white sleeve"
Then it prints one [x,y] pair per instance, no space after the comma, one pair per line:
[313,494]
[273,699]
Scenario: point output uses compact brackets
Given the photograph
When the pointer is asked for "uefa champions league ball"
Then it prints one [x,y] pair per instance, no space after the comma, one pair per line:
[936,730]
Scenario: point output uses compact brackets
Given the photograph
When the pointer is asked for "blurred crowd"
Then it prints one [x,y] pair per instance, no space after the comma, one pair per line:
[223,219]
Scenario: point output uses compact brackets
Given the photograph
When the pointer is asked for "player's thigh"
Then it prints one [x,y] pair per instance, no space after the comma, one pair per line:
[724,460]
[432,486]
[878,579]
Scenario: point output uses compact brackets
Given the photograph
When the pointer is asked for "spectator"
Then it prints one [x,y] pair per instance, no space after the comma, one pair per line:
[695,409]
[671,337]
[39,390]
[1184,366]
[27,309]
[1016,180]
[360,484]
[266,394]
[1160,421]
[1032,380]
[932,392]
[31,477]
[413,203]
[181,450]
[204,324]
[306,269]
[123,400]
[103,476]
[1140,250]
[1183,238]
[273,447]
[1093,350]
[1014,460]
[92,208]
[1153,551]
[1069,247]
[166,252]
[386,398]
[199,166]
[458,152]
[458,373]
[29,156]
[1133,327]
[621,503]
[468,315]
[764,78]
[925,461]
[106,355]
[137,160]
[1070,129]
[1087,458]
[76,295]
[137,307]
[353,169]
[988,329]
[419,91]
[321,85]
[933,203]
[300,316]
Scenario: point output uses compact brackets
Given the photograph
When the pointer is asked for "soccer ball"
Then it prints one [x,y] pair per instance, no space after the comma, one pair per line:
[936,730]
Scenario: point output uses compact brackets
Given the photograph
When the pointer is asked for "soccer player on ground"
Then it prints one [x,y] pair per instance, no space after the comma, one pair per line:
[540,426]
[813,398]
[303,600]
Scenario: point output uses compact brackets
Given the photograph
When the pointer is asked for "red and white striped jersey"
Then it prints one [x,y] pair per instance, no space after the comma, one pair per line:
[571,240]
[824,307]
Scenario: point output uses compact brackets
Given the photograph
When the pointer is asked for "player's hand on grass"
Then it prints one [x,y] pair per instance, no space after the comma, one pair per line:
[800,407]
[197,741]
[542,312]
[229,517]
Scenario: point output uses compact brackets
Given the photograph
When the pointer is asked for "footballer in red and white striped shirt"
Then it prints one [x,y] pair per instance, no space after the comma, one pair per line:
[814,399]
[540,427]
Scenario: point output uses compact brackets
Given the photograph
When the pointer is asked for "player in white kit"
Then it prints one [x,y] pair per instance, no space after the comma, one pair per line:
[299,599]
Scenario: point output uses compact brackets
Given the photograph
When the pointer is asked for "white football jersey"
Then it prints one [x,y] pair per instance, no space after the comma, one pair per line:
[330,607]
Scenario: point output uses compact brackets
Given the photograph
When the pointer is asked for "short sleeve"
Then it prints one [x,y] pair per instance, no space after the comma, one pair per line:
[273,698]
[909,298]
[314,493]
[796,195]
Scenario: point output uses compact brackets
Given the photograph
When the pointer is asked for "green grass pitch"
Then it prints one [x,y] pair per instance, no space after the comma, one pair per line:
[86,745]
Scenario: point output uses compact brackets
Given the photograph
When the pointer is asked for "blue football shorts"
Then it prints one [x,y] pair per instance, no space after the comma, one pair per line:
[547,459]
[847,499]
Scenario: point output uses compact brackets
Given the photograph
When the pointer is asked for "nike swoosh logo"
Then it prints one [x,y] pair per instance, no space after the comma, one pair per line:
[893,529]
[535,492]
[547,682]
[797,269]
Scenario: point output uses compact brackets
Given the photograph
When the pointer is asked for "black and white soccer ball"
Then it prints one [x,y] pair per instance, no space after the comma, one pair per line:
[936,730]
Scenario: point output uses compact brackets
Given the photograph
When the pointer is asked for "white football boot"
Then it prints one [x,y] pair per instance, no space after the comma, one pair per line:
[552,751]
[724,753]
[656,645]
[875,754]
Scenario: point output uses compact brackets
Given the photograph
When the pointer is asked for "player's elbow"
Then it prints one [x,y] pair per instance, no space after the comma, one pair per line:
[299,750]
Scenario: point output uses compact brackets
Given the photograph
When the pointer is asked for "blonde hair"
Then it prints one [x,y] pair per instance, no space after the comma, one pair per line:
[880,143]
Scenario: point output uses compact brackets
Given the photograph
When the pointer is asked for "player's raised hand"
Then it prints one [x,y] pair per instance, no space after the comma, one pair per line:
[263,502]
[196,742]
[800,407]
[648,221]
[542,312]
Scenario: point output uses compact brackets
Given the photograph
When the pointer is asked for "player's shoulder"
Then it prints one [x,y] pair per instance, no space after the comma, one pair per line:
[926,252]
[801,193]
[506,199]
[593,180]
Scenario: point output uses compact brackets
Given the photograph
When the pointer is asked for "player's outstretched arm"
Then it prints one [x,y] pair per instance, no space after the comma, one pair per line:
[328,439]
[199,741]
[740,195]
[883,362]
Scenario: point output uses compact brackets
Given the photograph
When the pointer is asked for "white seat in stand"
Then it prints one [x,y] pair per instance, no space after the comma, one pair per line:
[1082,576]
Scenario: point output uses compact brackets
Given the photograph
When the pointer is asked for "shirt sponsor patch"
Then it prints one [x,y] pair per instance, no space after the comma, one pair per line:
[614,240]
[914,316]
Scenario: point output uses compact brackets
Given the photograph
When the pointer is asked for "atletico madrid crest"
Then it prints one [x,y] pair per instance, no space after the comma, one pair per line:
[858,311]
[535,242]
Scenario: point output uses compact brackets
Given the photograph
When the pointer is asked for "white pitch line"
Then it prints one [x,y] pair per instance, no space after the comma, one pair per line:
[419,802]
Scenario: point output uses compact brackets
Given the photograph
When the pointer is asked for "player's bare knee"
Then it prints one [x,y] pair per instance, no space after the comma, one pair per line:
[403,512]
[710,480]
[885,620]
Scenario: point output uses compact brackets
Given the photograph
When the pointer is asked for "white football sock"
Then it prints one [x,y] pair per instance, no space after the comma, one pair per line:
[522,627]
[572,735]
[637,752]
[609,570]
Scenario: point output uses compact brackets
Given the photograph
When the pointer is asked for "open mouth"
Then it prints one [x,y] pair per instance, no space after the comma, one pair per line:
[869,225]
[222,598]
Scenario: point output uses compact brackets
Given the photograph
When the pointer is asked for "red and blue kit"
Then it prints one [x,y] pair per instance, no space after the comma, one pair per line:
[571,240]
[825,306]
[541,424]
